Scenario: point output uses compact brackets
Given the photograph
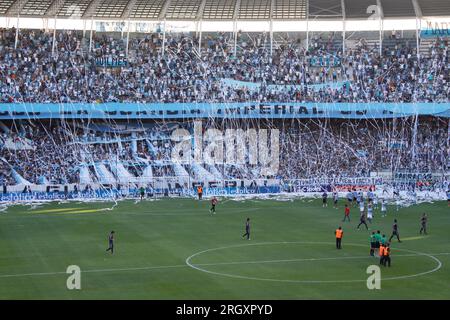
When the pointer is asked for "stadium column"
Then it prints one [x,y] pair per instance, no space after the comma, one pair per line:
[418,13]
[92,30]
[271,26]
[307,25]
[17,30]
[380,19]
[271,36]
[417,36]
[200,37]
[164,38]
[128,38]
[235,36]
[235,27]
[54,37]
[343,25]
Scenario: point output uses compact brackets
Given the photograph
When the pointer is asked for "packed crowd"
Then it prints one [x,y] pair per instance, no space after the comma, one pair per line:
[180,73]
[308,149]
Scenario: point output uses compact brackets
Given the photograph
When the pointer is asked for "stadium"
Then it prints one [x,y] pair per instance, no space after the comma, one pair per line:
[224,149]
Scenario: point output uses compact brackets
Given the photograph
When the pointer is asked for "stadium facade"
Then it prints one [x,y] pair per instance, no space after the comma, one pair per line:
[114,104]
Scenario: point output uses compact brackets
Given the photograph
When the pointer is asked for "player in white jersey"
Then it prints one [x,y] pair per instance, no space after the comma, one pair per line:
[335,199]
[369,213]
[383,208]
[361,207]
[375,202]
[397,202]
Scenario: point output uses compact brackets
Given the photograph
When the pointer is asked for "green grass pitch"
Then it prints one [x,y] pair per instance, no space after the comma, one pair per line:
[175,249]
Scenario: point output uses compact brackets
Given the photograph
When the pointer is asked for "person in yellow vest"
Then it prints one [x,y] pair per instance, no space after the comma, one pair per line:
[381,253]
[200,192]
[339,233]
[387,255]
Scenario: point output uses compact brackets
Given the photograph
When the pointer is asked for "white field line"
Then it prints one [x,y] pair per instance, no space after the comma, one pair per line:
[208,264]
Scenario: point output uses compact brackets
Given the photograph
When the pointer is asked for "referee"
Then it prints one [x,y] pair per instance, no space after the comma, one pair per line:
[111,242]
[247,229]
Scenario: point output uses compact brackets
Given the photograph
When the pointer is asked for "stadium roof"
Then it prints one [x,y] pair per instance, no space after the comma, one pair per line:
[223,9]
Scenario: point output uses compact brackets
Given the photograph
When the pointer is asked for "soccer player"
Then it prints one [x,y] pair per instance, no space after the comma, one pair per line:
[395,231]
[423,224]
[359,198]
[247,229]
[213,205]
[142,190]
[199,192]
[111,242]
[324,199]
[375,202]
[369,213]
[355,196]
[335,199]
[339,233]
[349,197]
[361,207]
[362,220]
[377,239]
[346,213]
[397,203]
[383,208]
[372,240]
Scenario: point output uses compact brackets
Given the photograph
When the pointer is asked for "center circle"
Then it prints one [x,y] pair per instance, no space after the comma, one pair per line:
[203,266]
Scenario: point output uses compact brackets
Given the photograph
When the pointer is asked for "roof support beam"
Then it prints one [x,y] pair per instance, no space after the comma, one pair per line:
[16,7]
[91,9]
[201,8]
[54,8]
[380,9]
[128,9]
[417,8]
[236,10]
[162,14]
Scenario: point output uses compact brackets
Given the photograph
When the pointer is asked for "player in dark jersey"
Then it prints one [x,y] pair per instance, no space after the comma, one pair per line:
[247,229]
[423,224]
[142,191]
[324,199]
[111,242]
[213,205]
[362,220]
[395,231]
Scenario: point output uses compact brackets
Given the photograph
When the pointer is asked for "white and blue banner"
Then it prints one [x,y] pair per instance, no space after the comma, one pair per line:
[245,110]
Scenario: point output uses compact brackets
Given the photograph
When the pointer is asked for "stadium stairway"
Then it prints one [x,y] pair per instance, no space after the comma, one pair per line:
[179,170]
[18,178]
[85,177]
[200,173]
[147,174]
[103,174]
[215,172]
[424,48]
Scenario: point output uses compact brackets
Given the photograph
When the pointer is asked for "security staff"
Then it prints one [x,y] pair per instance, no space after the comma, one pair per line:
[339,233]
[200,192]
[387,255]
[381,254]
